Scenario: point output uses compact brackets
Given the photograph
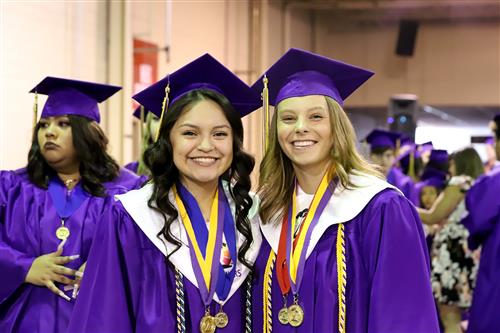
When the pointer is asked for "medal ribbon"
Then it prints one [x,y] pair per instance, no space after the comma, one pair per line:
[225,280]
[292,252]
[205,245]
[65,204]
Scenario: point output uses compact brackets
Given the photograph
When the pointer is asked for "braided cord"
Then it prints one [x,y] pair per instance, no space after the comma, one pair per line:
[248,304]
[341,277]
[267,293]
[179,301]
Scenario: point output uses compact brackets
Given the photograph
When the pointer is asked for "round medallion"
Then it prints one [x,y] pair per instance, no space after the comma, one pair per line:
[295,315]
[62,233]
[207,324]
[221,319]
[283,316]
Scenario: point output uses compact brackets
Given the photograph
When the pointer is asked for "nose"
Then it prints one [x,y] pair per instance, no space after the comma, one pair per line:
[206,144]
[301,125]
[51,130]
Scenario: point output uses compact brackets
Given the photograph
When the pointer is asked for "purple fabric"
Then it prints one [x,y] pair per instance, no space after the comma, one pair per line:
[131,289]
[308,83]
[403,182]
[483,223]
[388,277]
[70,101]
[382,139]
[300,73]
[28,222]
[203,72]
[73,97]
[132,166]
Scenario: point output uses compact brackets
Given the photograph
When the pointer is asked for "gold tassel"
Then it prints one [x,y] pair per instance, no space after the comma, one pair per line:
[411,166]
[142,122]
[265,109]
[35,110]
[164,108]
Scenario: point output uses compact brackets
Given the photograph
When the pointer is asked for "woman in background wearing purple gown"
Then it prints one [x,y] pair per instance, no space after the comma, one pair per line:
[454,265]
[49,210]
[344,251]
[176,255]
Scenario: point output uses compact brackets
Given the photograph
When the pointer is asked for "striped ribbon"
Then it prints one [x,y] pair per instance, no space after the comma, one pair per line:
[341,277]
[179,301]
[267,293]
[248,304]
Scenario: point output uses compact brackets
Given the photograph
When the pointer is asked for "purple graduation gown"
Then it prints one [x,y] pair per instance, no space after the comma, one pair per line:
[28,221]
[132,166]
[483,223]
[388,277]
[132,289]
[404,183]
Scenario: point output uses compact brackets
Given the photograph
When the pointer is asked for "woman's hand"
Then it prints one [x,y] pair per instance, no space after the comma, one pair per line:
[48,268]
[78,280]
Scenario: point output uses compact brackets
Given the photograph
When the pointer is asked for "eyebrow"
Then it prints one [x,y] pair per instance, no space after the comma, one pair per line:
[197,127]
[314,108]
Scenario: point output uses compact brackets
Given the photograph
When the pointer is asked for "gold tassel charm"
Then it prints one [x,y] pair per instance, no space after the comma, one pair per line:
[35,110]
[265,109]
[164,108]
[142,122]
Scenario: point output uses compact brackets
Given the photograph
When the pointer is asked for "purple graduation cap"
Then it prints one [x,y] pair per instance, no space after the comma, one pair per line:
[438,160]
[204,72]
[433,177]
[73,97]
[300,73]
[426,146]
[137,112]
[382,139]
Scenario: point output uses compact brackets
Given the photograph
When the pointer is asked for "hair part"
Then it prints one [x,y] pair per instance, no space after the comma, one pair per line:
[164,173]
[276,181]
[90,143]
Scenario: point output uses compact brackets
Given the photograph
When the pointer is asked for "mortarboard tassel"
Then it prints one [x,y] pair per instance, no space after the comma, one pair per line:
[411,165]
[265,108]
[35,110]
[164,108]
[142,122]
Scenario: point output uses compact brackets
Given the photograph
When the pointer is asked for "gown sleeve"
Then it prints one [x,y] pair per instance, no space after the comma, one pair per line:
[14,264]
[483,209]
[109,293]
[398,266]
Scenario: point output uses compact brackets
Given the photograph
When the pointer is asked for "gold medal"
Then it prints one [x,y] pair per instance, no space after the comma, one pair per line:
[207,324]
[221,319]
[283,315]
[295,315]
[62,232]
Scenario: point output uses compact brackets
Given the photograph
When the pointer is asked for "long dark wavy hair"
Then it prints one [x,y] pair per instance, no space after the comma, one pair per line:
[90,142]
[164,173]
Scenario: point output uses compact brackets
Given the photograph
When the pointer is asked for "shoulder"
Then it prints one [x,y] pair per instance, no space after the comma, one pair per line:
[125,181]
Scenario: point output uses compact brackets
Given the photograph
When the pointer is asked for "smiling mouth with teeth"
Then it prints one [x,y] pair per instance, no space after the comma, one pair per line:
[204,159]
[305,143]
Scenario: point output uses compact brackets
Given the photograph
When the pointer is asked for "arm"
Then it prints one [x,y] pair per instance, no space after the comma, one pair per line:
[14,266]
[444,205]
[398,267]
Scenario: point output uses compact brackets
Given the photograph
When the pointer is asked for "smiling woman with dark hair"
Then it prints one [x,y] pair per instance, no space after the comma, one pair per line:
[180,251]
[49,210]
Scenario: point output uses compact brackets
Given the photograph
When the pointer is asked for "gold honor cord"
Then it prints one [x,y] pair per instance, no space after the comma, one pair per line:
[265,109]
[35,110]
[164,108]
[142,122]
[341,277]
[267,294]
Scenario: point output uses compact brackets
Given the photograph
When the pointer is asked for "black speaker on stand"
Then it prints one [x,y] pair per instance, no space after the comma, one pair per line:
[403,114]
[407,36]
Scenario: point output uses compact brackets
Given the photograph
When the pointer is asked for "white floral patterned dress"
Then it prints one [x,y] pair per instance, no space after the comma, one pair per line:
[454,266]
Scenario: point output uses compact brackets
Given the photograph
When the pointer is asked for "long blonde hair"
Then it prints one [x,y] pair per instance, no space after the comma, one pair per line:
[276,181]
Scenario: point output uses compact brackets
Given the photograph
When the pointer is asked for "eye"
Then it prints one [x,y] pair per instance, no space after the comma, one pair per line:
[44,124]
[221,134]
[188,133]
[286,118]
[316,116]
[64,123]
